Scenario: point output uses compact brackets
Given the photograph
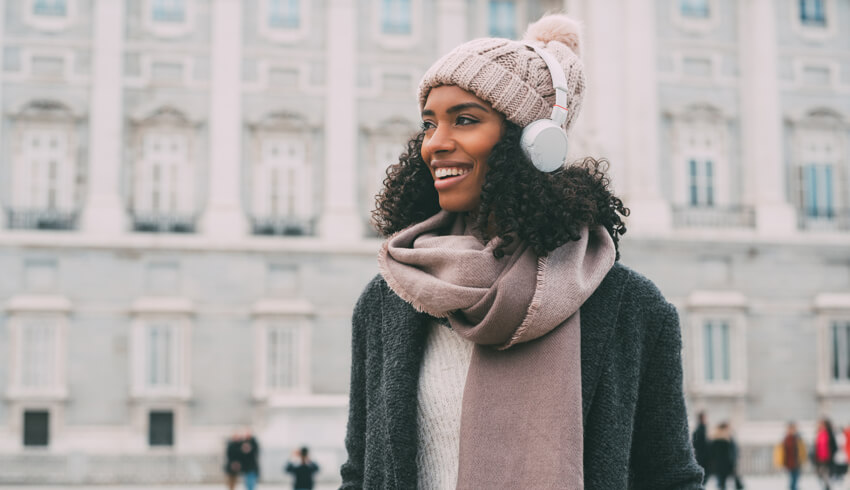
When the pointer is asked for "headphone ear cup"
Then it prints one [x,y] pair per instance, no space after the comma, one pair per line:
[545,144]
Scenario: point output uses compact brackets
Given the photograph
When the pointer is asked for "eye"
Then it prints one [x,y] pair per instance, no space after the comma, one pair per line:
[426,125]
[465,121]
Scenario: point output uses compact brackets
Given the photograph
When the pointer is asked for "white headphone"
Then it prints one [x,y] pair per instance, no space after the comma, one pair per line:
[544,141]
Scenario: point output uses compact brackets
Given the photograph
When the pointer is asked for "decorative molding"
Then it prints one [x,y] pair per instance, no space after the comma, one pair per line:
[264,84]
[717,300]
[68,76]
[168,29]
[695,25]
[398,42]
[39,304]
[153,305]
[286,307]
[148,60]
[840,302]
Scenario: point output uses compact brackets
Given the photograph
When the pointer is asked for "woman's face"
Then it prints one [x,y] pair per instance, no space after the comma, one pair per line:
[460,131]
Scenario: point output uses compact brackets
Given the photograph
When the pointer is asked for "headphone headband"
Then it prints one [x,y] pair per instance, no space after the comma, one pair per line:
[559,83]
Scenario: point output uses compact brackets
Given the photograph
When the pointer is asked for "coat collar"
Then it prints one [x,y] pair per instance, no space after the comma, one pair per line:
[403,337]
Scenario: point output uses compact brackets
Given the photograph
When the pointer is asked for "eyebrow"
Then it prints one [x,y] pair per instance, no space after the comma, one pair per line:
[457,108]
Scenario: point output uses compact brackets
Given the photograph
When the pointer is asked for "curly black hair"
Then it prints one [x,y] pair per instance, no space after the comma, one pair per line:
[545,210]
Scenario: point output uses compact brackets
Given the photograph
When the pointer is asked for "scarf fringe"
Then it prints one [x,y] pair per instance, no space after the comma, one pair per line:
[396,286]
[536,302]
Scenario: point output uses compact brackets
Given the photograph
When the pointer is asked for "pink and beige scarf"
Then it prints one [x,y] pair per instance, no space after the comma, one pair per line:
[521,420]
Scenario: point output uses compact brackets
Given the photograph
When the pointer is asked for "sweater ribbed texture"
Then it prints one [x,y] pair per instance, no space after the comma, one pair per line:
[441,382]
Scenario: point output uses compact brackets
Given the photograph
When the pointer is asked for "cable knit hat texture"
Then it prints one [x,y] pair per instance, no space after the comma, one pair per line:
[511,76]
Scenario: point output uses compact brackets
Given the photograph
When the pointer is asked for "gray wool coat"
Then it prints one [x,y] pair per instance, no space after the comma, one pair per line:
[635,425]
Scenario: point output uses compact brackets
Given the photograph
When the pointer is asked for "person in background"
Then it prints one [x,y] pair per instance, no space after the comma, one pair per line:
[722,455]
[302,469]
[249,458]
[790,454]
[824,451]
[700,442]
[232,466]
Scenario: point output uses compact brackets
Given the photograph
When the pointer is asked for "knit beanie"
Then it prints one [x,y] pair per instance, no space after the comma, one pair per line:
[511,76]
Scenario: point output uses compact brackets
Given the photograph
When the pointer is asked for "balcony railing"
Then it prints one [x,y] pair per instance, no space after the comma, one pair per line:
[832,220]
[286,225]
[714,217]
[41,219]
[163,223]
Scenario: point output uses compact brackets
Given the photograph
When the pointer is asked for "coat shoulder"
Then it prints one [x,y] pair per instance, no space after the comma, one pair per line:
[640,292]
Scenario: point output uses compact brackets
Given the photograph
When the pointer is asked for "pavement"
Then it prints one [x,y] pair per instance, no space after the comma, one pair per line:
[779,482]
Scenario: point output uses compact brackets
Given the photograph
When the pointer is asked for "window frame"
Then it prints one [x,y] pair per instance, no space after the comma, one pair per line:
[700,121]
[397,42]
[298,314]
[181,324]
[818,129]
[168,29]
[695,24]
[282,34]
[815,32]
[830,308]
[21,310]
[729,306]
[50,23]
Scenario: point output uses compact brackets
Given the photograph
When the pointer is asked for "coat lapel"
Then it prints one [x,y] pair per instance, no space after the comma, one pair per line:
[403,340]
[598,322]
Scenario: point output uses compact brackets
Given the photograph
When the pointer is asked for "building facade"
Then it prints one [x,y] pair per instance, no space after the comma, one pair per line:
[186,187]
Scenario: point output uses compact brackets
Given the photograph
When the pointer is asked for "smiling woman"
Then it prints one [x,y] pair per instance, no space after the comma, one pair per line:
[502,346]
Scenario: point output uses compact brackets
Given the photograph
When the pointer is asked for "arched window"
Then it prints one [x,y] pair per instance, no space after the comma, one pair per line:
[164,173]
[45,191]
[282,198]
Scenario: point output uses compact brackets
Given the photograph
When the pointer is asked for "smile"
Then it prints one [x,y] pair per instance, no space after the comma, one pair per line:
[444,172]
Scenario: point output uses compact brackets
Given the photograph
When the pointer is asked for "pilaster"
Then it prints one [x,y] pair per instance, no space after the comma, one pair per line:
[224,216]
[103,212]
[340,220]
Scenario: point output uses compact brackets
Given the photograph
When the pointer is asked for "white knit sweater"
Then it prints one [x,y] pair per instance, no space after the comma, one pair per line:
[441,381]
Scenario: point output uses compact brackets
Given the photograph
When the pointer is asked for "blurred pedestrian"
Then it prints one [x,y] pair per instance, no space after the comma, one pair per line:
[700,442]
[302,469]
[722,454]
[824,451]
[249,458]
[790,454]
[232,465]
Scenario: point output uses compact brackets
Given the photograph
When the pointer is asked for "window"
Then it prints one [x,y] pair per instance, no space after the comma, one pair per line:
[50,8]
[282,357]
[698,9]
[282,343]
[162,350]
[45,174]
[817,186]
[284,14]
[163,187]
[701,185]
[169,11]
[839,347]
[36,428]
[161,428]
[395,17]
[38,354]
[716,356]
[813,13]
[503,19]
[282,184]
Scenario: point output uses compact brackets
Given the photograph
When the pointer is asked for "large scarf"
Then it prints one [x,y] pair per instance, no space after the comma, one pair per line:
[521,420]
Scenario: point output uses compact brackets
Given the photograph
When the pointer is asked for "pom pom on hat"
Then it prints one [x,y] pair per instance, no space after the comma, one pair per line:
[556,28]
[511,76]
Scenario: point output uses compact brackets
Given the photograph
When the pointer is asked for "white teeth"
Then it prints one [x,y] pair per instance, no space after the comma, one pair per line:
[450,171]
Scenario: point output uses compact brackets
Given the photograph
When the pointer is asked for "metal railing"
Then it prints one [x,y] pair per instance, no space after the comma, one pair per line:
[714,217]
[41,219]
[163,223]
[832,220]
[286,225]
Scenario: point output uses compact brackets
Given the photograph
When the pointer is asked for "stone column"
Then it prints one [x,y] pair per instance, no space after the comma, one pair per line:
[642,188]
[761,122]
[104,212]
[224,216]
[340,218]
[601,121]
[451,25]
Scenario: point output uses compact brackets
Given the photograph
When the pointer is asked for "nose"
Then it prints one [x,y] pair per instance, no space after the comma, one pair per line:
[440,140]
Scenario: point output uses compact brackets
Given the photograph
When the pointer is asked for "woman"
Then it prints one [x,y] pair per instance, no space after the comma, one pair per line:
[501,346]
[724,456]
[824,449]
